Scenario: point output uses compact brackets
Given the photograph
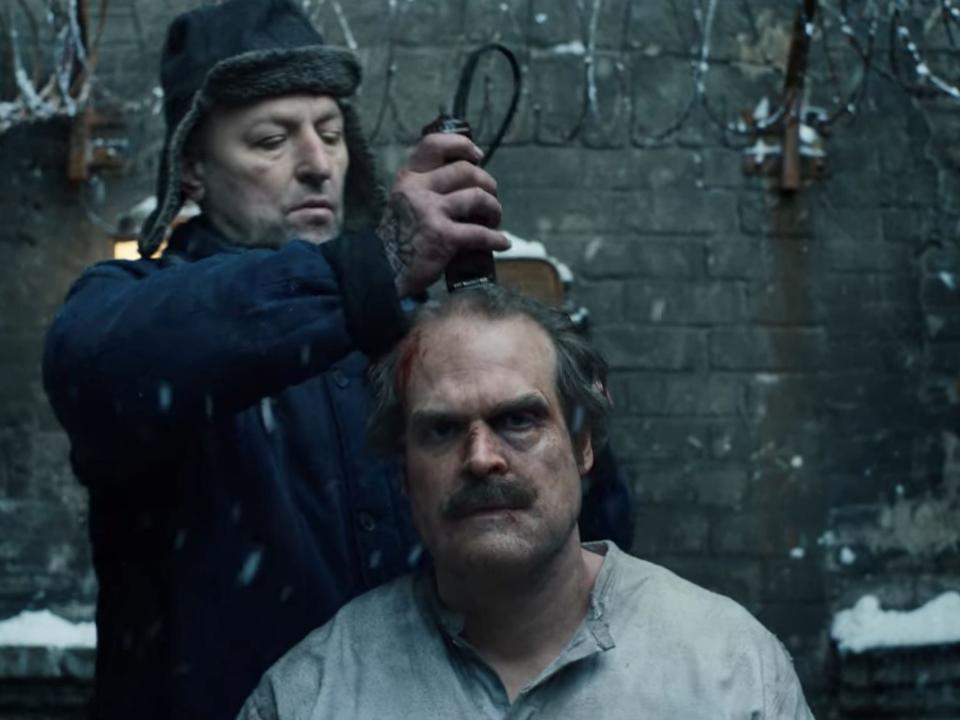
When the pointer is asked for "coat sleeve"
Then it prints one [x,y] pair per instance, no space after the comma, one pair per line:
[141,354]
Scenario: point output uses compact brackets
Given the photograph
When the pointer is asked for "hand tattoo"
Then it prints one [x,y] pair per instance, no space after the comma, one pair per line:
[397,230]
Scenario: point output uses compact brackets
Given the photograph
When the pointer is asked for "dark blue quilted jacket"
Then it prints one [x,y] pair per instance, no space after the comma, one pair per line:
[216,406]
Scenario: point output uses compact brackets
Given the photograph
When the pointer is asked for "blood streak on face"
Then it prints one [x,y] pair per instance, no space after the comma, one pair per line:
[408,353]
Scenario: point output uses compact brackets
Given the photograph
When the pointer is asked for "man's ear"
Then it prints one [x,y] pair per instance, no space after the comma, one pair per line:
[192,179]
[585,462]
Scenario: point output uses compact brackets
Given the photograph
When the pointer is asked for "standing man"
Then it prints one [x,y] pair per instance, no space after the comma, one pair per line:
[497,408]
[215,398]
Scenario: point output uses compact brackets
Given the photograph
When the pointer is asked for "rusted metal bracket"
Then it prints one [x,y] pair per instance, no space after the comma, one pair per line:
[99,142]
[98,135]
[793,95]
[791,148]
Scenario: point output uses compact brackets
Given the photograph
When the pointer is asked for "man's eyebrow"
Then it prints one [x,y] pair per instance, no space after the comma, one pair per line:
[331,116]
[530,402]
[288,119]
[430,417]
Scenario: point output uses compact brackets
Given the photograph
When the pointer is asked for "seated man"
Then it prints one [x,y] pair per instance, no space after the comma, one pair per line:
[497,408]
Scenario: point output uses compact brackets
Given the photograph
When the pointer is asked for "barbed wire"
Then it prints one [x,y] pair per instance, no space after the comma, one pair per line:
[60,85]
[52,69]
[925,77]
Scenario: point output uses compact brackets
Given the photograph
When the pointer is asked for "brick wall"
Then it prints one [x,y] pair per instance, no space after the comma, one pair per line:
[44,559]
[784,366]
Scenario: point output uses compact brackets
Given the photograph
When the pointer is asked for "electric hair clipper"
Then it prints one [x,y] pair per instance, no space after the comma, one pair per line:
[468,268]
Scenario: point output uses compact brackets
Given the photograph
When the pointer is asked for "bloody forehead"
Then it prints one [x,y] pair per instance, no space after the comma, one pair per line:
[415,346]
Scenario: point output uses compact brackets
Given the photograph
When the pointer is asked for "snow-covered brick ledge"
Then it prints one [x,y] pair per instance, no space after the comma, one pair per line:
[44,629]
[44,645]
[866,626]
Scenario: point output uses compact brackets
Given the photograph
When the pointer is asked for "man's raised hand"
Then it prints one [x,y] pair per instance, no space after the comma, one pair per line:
[440,203]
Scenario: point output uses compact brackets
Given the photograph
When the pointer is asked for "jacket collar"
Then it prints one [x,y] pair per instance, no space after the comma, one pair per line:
[197,239]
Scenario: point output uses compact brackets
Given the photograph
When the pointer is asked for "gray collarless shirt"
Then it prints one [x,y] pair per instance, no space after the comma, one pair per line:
[651,646]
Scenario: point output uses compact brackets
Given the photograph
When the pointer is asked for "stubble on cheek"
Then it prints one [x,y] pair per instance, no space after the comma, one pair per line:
[260,206]
[266,222]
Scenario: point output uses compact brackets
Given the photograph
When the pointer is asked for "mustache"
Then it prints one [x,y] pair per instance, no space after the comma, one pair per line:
[488,495]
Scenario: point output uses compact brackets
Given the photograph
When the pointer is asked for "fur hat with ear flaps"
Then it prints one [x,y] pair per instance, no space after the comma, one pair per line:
[239,52]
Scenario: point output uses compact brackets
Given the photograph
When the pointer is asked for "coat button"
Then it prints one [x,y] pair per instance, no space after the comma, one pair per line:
[340,379]
[367,522]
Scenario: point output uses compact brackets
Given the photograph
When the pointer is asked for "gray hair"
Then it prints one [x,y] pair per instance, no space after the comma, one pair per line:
[581,371]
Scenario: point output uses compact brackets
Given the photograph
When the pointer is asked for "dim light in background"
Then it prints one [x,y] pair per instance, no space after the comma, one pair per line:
[128,226]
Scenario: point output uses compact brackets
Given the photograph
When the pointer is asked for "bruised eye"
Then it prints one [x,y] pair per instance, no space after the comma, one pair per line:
[517,421]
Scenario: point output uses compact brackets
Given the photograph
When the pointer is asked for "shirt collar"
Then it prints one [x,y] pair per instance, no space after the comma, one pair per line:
[596,620]
[595,625]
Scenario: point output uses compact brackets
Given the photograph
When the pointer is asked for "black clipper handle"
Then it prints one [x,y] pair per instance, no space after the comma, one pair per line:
[468,268]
